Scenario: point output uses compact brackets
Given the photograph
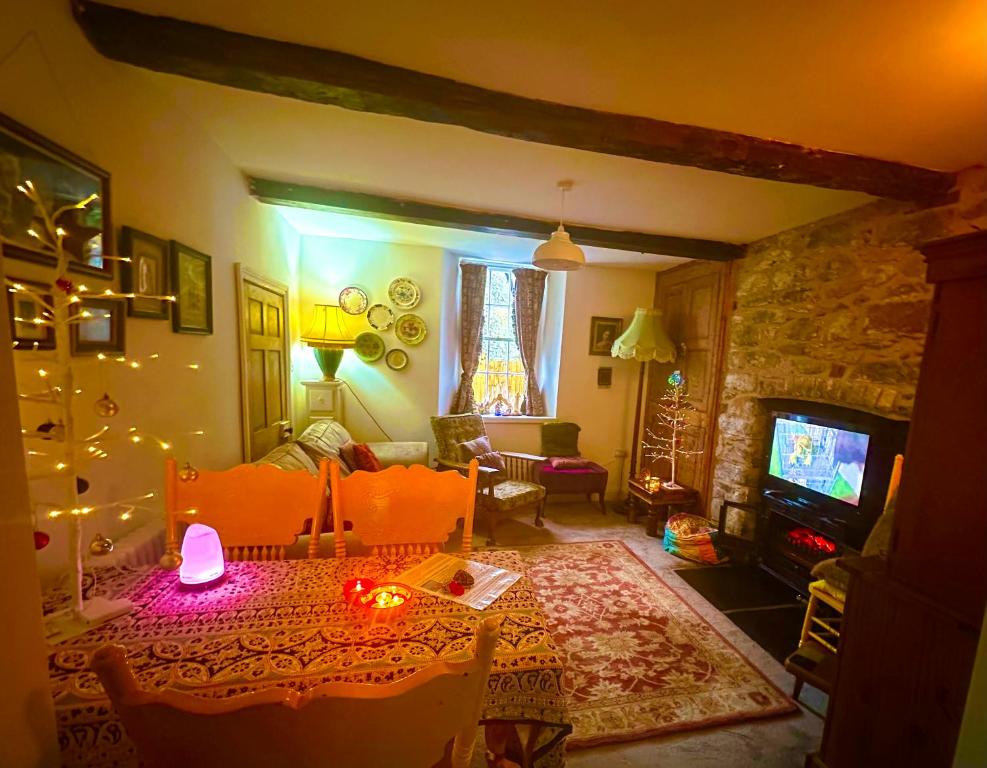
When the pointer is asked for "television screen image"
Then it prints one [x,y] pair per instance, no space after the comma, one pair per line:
[824,459]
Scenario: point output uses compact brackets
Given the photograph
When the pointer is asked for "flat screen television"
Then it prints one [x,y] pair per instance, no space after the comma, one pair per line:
[834,460]
[828,460]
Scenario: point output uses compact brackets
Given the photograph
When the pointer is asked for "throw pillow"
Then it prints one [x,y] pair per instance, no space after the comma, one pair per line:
[347,455]
[481,450]
[569,462]
[560,438]
[366,459]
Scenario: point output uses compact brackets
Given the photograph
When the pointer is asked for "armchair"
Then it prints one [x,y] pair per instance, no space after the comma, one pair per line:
[501,491]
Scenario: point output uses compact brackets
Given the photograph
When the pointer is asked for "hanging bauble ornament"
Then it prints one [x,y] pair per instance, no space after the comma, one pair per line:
[81,485]
[170,561]
[65,284]
[676,379]
[188,473]
[51,430]
[41,539]
[100,546]
[107,407]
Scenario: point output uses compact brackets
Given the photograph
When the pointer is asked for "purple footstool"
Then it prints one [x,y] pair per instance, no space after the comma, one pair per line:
[589,479]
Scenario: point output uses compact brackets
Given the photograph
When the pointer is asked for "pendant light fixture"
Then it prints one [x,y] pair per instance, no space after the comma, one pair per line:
[559,254]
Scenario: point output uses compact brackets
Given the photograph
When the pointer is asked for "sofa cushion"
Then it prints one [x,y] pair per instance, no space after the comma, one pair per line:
[480,449]
[322,440]
[570,462]
[365,458]
[346,454]
[450,431]
[511,494]
[289,456]
[560,439]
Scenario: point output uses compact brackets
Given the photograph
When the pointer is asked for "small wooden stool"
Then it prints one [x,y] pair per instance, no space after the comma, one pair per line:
[814,662]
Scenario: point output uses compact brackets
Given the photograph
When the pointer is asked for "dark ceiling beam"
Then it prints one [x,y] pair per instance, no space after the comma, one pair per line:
[415,212]
[330,77]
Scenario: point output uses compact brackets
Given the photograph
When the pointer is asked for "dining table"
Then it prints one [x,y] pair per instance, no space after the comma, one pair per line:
[287,623]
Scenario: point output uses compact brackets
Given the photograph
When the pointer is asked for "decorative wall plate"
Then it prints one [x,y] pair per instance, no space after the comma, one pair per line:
[410,329]
[397,359]
[404,293]
[369,347]
[380,317]
[353,300]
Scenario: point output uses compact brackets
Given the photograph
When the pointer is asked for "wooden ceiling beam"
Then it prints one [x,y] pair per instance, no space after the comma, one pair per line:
[416,212]
[343,80]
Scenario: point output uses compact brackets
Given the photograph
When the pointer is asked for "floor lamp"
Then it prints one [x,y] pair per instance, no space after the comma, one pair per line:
[644,340]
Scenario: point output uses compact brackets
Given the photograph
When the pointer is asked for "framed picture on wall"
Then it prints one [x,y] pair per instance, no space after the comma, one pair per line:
[145,273]
[103,329]
[191,282]
[61,179]
[24,310]
[603,332]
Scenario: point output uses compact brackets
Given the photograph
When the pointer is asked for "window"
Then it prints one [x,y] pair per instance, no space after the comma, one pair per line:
[500,377]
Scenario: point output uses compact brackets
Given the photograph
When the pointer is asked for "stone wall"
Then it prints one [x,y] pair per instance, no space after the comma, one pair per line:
[834,312]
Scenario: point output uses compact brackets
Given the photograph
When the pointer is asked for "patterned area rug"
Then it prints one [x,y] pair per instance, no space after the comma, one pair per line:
[640,661]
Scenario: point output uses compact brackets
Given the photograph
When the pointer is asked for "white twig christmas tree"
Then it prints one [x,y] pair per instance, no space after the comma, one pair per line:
[672,412]
[56,453]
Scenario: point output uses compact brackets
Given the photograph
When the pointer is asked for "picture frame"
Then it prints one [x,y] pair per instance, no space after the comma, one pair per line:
[61,178]
[26,335]
[191,283]
[147,272]
[603,332]
[104,333]
[604,377]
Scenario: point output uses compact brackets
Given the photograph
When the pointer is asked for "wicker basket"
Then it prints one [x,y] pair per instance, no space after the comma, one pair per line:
[693,538]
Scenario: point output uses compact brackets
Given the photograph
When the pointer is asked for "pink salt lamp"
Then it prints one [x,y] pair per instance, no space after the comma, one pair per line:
[202,556]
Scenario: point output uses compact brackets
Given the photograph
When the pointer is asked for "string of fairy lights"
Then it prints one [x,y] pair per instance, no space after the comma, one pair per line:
[53,449]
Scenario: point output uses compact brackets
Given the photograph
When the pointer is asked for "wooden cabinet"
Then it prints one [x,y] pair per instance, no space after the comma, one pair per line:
[912,622]
[694,299]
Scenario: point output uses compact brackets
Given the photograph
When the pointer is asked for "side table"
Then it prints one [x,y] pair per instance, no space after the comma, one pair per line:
[658,503]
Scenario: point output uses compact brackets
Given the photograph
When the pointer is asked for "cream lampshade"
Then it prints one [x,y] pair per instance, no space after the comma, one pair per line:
[559,253]
[645,339]
[329,337]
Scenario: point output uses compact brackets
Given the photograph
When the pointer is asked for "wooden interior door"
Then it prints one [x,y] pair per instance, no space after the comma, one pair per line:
[694,300]
[264,379]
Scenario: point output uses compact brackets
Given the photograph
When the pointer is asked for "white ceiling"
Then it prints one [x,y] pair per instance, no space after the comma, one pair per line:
[897,79]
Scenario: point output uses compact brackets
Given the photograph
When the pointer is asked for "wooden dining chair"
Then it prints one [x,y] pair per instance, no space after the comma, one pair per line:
[403,509]
[429,718]
[257,509]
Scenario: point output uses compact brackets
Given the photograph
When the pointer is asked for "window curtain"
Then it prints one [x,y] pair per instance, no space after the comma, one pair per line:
[529,294]
[474,289]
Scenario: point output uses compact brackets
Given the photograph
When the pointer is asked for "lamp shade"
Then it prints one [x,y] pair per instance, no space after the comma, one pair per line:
[559,254]
[328,329]
[645,339]
[202,556]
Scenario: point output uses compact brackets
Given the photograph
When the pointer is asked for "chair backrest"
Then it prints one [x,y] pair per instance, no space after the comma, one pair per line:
[560,438]
[403,509]
[408,723]
[257,509]
[450,431]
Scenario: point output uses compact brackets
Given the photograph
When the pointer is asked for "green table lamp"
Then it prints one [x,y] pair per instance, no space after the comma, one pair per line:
[329,337]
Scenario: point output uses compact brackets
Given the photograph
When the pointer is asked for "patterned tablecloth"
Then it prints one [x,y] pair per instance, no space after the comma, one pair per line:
[285,623]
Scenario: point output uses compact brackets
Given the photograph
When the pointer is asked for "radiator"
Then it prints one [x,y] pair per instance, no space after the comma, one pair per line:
[142,546]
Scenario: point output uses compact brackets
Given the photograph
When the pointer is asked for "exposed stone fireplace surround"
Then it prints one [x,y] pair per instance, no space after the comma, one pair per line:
[833,312]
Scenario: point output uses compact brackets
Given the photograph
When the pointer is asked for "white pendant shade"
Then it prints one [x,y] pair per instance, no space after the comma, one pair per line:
[559,254]
[645,339]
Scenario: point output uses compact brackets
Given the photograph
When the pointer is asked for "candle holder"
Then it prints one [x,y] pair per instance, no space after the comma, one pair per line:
[356,588]
[386,601]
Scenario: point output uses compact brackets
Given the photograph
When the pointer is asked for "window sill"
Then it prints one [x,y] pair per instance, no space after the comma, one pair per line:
[517,419]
